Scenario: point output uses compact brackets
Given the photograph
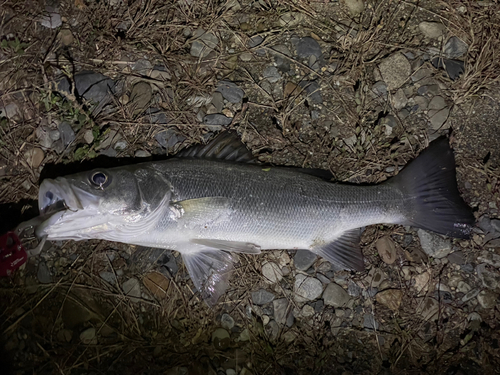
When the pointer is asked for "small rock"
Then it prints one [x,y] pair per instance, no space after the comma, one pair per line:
[227,322]
[51,18]
[307,288]
[88,336]
[463,287]
[304,259]
[221,339]
[11,111]
[217,119]
[280,307]
[43,274]
[434,245]
[380,89]
[67,133]
[230,91]
[169,138]
[157,284]
[490,280]
[261,297]
[66,37]
[421,101]
[455,48]
[428,308]
[255,41]
[204,44]
[356,7]
[489,258]
[375,277]
[88,136]
[395,70]
[422,282]
[244,335]
[307,311]
[399,100]
[334,295]
[109,277]
[140,97]
[390,298]
[246,56]
[290,19]
[142,154]
[487,299]
[132,288]
[34,157]
[437,103]
[439,118]
[120,145]
[313,90]
[308,47]
[421,74]
[353,289]
[271,74]
[271,272]
[386,249]
[369,322]
[432,30]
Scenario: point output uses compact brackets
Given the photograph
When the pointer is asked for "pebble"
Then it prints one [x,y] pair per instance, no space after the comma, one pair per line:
[51,18]
[304,259]
[438,118]
[334,295]
[108,276]
[386,249]
[353,289]
[169,138]
[489,258]
[271,272]
[307,288]
[369,322]
[67,133]
[255,41]
[455,48]
[290,19]
[11,111]
[280,307]
[422,282]
[221,339]
[204,44]
[132,289]
[421,101]
[490,280]
[261,297]
[246,56]
[34,157]
[230,91]
[157,284]
[217,119]
[399,100]
[307,311]
[437,103]
[88,336]
[463,287]
[94,87]
[120,145]
[272,74]
[227,322]
[88,136]
[487,299]
[380,89]
[434,245]
[66,37]
[432,30]
[375,277]
[142,154]
[43,273]
[356,7]
[308,47]
[421,74]
[390,298]
[395,70]
[140,97]
[313,90]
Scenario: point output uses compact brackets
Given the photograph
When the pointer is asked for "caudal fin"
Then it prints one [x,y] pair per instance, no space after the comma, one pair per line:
[432,200]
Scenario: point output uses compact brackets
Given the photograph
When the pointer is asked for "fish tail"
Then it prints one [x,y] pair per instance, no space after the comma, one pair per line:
[431,197]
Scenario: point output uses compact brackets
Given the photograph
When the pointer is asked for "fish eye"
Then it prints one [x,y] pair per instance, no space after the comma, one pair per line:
[99,179]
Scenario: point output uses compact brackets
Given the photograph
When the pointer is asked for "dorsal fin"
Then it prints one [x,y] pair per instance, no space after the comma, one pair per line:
[226,146]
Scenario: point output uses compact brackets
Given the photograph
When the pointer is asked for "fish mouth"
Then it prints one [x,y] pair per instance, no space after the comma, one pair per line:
[67,208]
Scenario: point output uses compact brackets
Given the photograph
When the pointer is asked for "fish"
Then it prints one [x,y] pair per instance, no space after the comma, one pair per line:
[214,200]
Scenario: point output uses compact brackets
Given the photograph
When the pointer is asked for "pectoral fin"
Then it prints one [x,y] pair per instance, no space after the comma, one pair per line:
[210,271]
[237,247]
[344,251]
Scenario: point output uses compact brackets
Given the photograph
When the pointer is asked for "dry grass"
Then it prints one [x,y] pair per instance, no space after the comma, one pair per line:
[176,330]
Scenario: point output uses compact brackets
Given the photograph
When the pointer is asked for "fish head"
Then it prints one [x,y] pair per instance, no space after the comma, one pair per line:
[100,203]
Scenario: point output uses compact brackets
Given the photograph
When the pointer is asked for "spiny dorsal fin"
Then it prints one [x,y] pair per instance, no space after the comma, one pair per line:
[226,146]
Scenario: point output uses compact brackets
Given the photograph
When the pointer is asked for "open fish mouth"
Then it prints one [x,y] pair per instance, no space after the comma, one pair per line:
[66,207]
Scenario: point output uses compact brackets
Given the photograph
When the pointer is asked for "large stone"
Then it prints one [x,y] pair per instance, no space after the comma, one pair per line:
[304,259]
[307,288]
[395,70]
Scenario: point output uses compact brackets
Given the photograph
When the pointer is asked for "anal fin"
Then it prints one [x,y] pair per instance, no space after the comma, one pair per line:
[345,251]
[210,271]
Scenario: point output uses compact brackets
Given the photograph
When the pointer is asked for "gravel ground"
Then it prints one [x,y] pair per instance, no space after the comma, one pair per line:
[355,87]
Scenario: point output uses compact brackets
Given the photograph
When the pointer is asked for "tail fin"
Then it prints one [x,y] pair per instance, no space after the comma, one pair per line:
[432,200]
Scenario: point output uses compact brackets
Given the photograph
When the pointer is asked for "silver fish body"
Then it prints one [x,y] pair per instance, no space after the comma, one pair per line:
[207,208]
